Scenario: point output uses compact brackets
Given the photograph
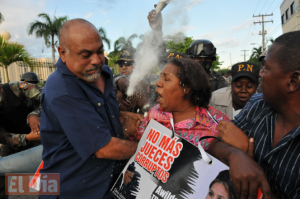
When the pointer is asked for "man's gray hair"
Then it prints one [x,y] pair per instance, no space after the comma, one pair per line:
[64,31]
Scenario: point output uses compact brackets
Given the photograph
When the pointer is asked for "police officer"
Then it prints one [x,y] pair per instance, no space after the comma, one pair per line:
[204,52]
[30,77]
[125,63]
[18,100]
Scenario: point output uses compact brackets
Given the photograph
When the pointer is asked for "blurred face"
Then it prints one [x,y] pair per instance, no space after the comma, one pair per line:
[169,90]
[242,90]
[217,191]
[83,55]
[206,63]
[273,80]
[128,177]
[126,68]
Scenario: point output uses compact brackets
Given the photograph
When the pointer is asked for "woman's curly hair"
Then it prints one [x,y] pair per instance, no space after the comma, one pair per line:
[192,75]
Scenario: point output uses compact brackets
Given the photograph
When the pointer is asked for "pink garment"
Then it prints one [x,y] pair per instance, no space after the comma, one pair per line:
[191,129]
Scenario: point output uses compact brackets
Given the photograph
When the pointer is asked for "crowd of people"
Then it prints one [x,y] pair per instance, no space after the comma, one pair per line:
[84,126]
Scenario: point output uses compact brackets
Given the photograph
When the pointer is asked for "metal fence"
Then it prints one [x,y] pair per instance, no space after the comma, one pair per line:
[43,68]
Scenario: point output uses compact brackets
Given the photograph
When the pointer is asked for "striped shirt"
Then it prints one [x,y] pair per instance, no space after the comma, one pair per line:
[281,163]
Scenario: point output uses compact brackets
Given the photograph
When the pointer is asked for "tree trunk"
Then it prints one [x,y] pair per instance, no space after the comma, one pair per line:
[53,50]
[6,70]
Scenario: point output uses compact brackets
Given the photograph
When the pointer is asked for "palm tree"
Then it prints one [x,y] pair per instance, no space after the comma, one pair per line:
[104,37]
[1,18]
[122,42]
[10,53]
[48,29]
[256,52]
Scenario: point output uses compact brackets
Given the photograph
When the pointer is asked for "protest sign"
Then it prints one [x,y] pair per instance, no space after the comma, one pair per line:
[166,167]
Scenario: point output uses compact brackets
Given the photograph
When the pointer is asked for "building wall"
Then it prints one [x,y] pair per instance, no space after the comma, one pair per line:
[293,22]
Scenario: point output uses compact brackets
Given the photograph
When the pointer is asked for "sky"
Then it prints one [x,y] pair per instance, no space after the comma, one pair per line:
[227,23]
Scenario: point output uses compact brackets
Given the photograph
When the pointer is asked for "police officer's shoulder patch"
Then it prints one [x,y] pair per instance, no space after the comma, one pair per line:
[23,85]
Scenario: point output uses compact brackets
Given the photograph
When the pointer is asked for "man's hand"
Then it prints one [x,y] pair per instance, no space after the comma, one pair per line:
[247,177]
[127,114]
[155,22]
[231,134]
[34,123]
[130,126]
[33,136]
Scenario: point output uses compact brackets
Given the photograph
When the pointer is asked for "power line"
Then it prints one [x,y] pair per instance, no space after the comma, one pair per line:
[270,6]
[251,27]
[256,6]
[263,6]
[275,30]
[276,7]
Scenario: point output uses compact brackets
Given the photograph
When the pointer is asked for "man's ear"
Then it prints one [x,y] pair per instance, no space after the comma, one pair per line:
[294,82]
[62,53]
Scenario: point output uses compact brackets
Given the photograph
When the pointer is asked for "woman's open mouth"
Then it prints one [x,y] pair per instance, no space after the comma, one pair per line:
[125,103]
[159,97]
[243,98]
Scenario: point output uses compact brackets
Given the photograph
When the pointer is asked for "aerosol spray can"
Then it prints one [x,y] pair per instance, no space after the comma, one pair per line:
[161,5]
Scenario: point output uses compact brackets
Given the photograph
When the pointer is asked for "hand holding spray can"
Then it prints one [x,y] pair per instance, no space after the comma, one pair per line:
[161,5]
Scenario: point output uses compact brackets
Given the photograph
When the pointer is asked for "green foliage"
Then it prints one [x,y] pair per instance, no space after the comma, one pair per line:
[10,53]
[47,29]
[104,37]
[216,64]
[112,63]
[1,18]
[123,42]
[256,52]
[177,42]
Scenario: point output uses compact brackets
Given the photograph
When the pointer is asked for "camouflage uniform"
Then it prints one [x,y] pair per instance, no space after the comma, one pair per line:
[116,78]
[217,81]
[12,142]
[229,80]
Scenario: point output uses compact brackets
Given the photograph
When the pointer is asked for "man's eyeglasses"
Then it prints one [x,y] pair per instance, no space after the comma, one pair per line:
[125,63]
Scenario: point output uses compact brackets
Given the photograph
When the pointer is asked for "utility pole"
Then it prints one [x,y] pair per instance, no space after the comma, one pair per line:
[263,33]
[245,54]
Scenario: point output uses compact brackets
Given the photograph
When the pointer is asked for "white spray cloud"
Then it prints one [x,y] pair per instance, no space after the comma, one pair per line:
[151,48]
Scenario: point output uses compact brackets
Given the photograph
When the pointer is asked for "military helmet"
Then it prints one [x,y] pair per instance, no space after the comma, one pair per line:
[30,77]
[202,49]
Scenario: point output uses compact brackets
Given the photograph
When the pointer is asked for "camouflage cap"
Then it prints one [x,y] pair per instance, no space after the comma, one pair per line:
[126,54]
[262,56]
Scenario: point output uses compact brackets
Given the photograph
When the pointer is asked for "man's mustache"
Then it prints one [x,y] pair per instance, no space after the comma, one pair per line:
[95,67]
